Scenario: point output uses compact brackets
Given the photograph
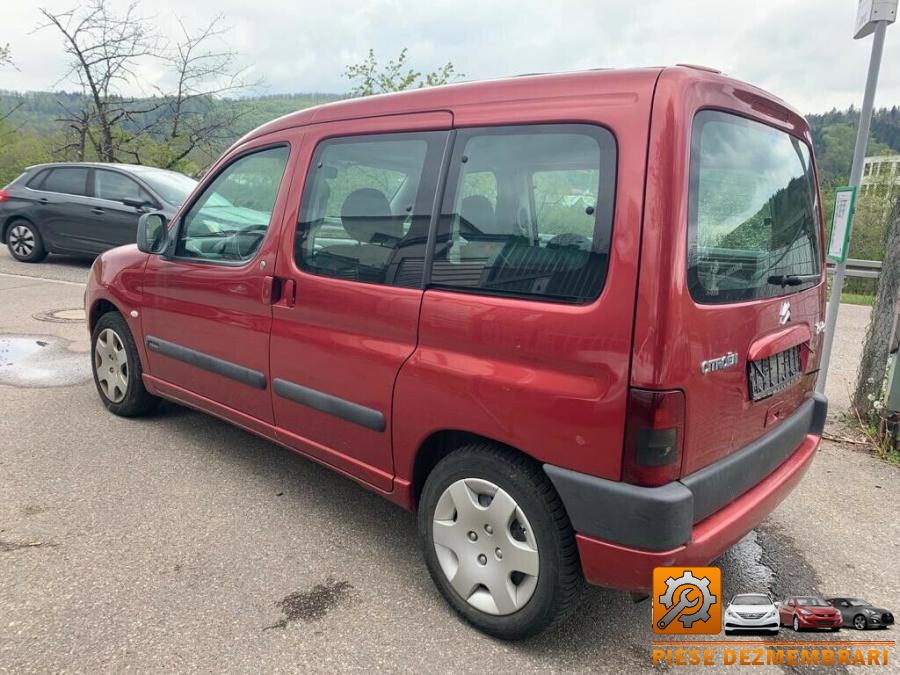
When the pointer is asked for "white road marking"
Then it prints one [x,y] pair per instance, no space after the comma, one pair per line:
[36,278]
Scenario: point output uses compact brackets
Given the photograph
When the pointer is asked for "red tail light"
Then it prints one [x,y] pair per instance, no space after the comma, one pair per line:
[654,437]
[4,195]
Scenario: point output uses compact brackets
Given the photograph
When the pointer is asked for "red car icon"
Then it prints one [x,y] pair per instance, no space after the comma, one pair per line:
[803,612]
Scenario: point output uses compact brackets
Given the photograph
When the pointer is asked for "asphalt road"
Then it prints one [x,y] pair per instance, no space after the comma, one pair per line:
[179,543]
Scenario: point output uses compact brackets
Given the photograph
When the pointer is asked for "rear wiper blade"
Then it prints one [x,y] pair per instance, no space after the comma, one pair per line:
[791,279]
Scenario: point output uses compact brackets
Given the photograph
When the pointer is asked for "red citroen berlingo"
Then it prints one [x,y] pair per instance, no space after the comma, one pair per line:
[572,319]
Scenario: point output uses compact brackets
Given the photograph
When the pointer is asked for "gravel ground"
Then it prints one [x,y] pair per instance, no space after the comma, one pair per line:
[179,543]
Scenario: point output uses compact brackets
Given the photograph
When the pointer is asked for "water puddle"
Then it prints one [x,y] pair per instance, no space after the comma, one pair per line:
[312,605]
[41,361]
[71,315]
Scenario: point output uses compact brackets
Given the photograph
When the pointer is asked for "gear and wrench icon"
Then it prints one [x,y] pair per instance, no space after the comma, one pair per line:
[688,581]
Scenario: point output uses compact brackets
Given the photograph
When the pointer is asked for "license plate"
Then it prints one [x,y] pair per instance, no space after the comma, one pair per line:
[774,373]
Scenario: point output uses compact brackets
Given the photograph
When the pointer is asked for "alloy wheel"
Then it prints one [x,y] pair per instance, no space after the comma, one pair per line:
[111,365]
[796,625]
[21,240]
[485,546]
[859,623]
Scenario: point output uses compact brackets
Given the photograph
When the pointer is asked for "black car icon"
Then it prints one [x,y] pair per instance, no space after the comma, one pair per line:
[860,614]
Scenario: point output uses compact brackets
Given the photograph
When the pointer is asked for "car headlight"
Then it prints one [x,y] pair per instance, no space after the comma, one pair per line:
[871,612]
[805,612]
[770,614]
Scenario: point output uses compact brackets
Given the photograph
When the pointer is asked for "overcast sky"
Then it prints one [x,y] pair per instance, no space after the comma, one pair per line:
[800,50]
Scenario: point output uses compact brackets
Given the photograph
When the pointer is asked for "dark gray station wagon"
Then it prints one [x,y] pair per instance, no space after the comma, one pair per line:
[83,208]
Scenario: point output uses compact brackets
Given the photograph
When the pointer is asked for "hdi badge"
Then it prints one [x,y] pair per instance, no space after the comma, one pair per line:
[687,600]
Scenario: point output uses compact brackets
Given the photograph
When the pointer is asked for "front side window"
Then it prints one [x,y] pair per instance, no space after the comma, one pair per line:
[753,227]
[230,218]
[115,187]
[69,181]
[528,212]
[367,206]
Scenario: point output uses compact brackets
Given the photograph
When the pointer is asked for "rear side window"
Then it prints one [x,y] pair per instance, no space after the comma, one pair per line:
[69,180]
[753,227]
[115,187]
[367,206]
[528,212]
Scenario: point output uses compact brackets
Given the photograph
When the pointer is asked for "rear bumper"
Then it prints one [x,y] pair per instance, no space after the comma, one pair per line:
[624,531]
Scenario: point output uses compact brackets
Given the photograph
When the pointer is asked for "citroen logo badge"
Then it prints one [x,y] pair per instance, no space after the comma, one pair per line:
[784,314]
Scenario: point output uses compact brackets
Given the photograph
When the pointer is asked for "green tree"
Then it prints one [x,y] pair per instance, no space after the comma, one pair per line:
[369,77]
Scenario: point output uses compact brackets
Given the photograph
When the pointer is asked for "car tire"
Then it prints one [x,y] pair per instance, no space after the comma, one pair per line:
[117,370]
[24,242]
[860,622]
[529,524]
[796,624]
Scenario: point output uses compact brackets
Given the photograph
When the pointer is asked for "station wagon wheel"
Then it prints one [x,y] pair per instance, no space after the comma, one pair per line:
[24,242]
[111,364]
[485,546]
[498,542]
[117,368]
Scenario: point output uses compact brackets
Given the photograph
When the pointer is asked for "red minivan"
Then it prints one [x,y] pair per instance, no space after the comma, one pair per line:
[573,320]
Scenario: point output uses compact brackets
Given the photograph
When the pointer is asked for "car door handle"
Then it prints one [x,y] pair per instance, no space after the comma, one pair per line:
[43,200]
[97,210]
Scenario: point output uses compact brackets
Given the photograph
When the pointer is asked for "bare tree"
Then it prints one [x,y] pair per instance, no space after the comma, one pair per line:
[371,78]
[104,49]
[196,115]
[877,347]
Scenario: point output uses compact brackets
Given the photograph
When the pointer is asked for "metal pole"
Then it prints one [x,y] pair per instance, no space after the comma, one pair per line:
[859,155]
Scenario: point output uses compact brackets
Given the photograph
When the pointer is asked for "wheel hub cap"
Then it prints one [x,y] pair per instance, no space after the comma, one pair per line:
[21,240]
[111,365]
[485,546]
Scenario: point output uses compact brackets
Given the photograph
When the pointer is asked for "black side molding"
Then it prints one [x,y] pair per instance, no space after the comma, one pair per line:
[233,371]
[330,405]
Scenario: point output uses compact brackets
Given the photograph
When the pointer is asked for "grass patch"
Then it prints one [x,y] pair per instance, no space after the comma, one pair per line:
[857,299]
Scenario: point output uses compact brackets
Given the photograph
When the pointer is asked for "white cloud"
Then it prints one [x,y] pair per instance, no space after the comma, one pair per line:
[800,50]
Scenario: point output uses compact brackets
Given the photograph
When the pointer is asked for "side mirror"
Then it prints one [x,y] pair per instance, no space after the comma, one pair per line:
[135,203]
[151,233]
[777,604]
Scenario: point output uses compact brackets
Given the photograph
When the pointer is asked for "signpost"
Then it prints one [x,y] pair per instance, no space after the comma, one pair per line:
[841,223]
[873,17]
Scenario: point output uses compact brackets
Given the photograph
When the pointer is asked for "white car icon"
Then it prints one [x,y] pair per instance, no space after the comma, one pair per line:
[751,611]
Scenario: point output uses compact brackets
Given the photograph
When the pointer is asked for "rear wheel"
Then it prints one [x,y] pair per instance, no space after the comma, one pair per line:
[117,368]
[498,542]
[24,242]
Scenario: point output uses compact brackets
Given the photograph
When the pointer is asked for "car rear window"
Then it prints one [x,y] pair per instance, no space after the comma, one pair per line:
[753,227]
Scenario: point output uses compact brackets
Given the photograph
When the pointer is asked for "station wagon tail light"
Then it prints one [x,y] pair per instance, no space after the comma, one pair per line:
[654,437]
[4,195]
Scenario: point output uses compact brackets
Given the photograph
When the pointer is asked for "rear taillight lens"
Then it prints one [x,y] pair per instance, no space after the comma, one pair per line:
[654,437]
[4,195]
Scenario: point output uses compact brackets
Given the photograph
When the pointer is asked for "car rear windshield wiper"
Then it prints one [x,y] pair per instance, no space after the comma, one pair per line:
[791,279]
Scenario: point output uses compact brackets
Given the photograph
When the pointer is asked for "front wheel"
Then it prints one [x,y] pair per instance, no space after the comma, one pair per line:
[796,625]
[498,542]
[24,242]
[859,622]
[117,368]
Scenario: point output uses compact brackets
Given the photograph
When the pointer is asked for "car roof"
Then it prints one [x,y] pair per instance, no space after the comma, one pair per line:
[524,88]
[130,168]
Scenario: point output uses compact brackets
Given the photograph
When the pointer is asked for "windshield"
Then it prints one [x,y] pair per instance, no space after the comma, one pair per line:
[171,186]
[753,228]
[859,603]
[811,602]
[751,600]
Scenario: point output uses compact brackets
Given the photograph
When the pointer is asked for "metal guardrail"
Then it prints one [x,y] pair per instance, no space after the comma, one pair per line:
[861,269]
